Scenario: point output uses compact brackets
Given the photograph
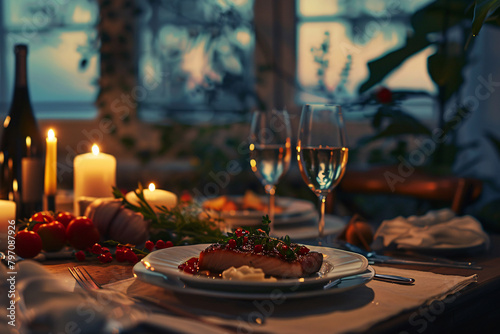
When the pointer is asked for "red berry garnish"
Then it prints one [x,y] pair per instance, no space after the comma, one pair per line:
[189,269]
[231,244]
[160,244]
[105,258]
[303,250]
[96,249]
[149,245]
[169,244]
[284,248]
[257,248]
[192,261]
[131,257]
[104,250]
[120,255]
[80,256]
[245,240]
[239,232]
[182,266]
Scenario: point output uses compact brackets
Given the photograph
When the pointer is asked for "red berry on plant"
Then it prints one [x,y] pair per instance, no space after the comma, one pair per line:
[105,258]
[160,244]
[120,255]
[231,244]
[96,249]
[149,245]
[169,244]
[131,257]
[80,256]
[384,95]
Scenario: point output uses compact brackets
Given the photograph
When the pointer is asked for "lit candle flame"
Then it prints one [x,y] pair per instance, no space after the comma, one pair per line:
[14,185]
[152,187]
[51,134]
[95,149]
[6,122]
[28,143]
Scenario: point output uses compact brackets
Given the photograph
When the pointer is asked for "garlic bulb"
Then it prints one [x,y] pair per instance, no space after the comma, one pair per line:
[118,223]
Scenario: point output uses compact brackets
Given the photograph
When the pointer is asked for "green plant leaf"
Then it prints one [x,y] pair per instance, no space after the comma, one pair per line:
[383,66]
[494,141]
[482,9]
[438,14]
[446,71]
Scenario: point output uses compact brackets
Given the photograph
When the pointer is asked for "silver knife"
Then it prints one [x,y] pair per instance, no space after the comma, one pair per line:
[374,258]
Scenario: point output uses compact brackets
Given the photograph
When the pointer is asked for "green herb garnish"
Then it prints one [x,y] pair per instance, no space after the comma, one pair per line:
[182,224]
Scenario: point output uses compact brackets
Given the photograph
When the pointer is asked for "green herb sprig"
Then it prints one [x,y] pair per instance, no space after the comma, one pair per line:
[183,224]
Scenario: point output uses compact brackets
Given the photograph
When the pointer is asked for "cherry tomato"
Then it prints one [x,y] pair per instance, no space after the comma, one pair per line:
[81,233]
[65,218]
[53,236]
[28,244]
[41,217]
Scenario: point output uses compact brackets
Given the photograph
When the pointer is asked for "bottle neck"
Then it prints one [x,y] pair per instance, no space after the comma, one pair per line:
[21,71]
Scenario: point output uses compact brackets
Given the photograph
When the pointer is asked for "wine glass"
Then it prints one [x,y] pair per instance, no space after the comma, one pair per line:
[322,152]
[270,150]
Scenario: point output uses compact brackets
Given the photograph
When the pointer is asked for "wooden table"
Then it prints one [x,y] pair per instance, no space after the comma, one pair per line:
[475,309]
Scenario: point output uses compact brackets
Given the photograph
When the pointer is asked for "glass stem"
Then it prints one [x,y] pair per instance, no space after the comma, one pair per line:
[321,225]
[271,190]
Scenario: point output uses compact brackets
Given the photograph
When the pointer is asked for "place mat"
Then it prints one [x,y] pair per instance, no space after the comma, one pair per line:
[351,311]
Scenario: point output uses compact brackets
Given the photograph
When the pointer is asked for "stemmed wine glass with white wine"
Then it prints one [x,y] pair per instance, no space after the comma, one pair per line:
[270,150]
[322,152]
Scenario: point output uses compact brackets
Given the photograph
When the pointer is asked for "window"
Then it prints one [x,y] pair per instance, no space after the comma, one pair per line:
[195,59]
[63,63]
[354,32]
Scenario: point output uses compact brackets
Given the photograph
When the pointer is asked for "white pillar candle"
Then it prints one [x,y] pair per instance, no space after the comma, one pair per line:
[154,197]
[7,214]
[51,164]
[94,176]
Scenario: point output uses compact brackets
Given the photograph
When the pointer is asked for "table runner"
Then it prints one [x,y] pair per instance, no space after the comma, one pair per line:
[350,311]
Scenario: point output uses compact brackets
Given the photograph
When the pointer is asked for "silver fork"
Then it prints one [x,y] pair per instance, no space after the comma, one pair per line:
[88,283]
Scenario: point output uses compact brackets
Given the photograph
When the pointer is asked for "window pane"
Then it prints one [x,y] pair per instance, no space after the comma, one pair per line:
[363,48]
[320,7]
[54,73]
[196,55]
[31,15]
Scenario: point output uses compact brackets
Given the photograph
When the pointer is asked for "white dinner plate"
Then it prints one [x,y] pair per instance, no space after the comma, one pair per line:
[295,211]
[336,264]
[345,284]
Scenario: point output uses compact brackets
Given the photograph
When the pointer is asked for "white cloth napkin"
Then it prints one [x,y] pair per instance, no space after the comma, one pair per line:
[49,304]
[436,229]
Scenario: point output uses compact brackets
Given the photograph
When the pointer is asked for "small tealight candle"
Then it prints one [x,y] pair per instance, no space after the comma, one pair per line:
[154,197]
[94,176]
[7,214]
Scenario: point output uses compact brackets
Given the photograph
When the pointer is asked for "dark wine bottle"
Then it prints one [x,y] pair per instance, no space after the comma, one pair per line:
[21,148]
